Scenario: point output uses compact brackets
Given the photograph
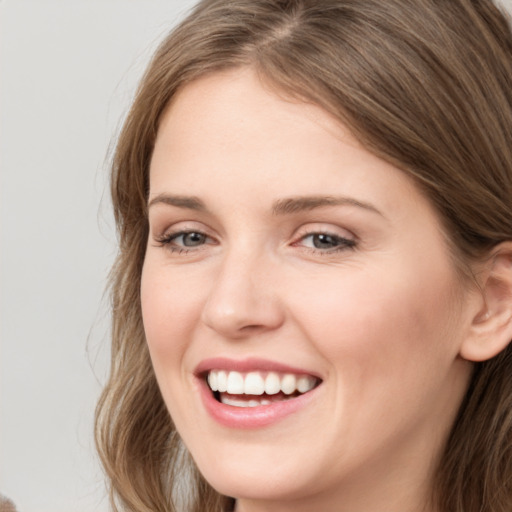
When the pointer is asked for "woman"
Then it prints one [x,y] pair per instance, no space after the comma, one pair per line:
[313,296]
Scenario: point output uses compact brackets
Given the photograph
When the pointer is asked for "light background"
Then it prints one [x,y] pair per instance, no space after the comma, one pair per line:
[68,72]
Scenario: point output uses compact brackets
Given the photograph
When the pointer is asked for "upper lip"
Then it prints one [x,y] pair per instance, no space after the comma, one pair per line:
[251,364]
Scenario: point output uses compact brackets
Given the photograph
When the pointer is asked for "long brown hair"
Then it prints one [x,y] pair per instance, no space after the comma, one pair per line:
[423,84]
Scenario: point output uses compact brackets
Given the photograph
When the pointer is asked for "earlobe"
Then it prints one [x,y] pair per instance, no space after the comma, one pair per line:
[491,328]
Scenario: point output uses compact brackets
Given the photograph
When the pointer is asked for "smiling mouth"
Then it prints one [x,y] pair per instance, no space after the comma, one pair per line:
[253,389]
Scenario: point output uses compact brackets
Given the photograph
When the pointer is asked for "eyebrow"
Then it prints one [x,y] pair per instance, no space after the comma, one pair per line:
[188,202]
[286,206]
[305,203]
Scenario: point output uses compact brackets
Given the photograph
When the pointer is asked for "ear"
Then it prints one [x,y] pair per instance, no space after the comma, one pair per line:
[491,328]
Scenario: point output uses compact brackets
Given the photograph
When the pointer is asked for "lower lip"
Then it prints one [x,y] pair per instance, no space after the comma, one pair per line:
[252,417]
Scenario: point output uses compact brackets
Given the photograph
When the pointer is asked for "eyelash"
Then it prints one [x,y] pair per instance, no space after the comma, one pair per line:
[167,240]
[343,243]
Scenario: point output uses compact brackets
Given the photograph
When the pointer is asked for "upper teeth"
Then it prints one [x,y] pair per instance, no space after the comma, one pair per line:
[257,383]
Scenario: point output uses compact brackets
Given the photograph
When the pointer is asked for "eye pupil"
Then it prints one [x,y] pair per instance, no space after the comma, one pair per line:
[323,241]
[193,239]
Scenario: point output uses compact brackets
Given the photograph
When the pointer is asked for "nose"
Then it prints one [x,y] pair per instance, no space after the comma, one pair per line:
[243,299]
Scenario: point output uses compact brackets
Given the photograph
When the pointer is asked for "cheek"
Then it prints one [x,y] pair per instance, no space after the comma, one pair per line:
[170,312]
[170,316]
[391,346]
[374,325]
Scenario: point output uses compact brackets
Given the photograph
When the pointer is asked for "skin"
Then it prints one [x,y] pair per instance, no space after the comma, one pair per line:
[381,318]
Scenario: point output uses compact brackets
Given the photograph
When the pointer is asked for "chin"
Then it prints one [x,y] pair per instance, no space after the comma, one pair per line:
[257,481]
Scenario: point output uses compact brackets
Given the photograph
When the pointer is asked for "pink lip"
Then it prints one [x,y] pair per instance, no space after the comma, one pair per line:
[249,417]
[251,364]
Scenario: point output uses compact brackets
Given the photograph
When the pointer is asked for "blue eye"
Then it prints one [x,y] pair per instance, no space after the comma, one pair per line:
[183,241]
[190,239]
[326,242]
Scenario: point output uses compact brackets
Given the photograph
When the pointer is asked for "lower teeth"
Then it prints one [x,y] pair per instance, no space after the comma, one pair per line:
[235,401]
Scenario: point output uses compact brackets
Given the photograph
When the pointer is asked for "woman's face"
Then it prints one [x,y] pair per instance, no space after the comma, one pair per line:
[285,259]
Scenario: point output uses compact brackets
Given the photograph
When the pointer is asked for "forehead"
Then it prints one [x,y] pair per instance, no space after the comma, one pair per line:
[238,99]
[235,112]
[229,132]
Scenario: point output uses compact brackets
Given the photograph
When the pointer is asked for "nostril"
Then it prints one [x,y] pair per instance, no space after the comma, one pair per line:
[254,327]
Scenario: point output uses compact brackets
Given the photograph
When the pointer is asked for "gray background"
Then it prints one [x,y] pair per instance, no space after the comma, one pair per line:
[68,73]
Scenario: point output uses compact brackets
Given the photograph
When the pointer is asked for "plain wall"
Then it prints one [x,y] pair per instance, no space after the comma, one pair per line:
[68,72]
